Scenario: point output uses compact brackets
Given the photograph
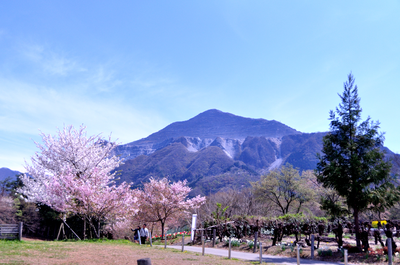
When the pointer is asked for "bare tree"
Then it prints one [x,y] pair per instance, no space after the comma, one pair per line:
[284,189]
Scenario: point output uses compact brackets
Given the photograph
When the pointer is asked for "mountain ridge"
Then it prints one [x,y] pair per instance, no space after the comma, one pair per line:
[203,129]
[6,172]
[216,150]
[214,123]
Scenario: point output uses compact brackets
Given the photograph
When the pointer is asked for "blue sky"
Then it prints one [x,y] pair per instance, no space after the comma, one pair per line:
[131,68]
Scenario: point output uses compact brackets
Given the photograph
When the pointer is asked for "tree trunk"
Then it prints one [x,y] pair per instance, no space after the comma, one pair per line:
[84,228]
[162,229]
[298,209]
[98,229]
[357,228]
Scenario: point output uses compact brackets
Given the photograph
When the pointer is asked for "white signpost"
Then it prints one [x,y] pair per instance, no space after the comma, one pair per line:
[194,219]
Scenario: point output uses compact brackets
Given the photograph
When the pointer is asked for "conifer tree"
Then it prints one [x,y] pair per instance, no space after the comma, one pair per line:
[352,162]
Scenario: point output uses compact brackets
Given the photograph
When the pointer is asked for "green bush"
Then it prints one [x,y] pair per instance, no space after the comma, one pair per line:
[325,252]
[235,243]
[250,244]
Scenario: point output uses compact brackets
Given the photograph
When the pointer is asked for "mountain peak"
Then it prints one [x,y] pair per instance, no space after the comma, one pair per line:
[216,113]
[214,123]
[212,111]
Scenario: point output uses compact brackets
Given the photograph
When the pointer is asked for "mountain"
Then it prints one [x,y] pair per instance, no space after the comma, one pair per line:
[217,150]
[203,129]
[6,172]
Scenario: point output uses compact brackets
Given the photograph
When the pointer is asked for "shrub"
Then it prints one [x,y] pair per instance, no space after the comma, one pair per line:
[351,249]
[250,244]
[235,243]
[325,252]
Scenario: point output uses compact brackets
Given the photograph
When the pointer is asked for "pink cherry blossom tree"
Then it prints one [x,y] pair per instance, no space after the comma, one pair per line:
[72,174]
[163,201]
[92,197]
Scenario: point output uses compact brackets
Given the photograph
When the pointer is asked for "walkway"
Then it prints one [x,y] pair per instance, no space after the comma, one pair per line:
[254,256]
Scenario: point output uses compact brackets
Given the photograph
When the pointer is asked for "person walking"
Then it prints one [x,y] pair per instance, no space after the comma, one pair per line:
[136,233]
[144,233]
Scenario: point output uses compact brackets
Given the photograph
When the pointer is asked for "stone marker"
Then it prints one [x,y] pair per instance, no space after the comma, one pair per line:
[145,261]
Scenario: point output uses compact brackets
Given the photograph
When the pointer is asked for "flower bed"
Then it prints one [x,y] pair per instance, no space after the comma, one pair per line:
[170,236]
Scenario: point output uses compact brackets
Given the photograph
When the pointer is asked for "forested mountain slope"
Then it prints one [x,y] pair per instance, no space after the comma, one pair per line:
[217,150]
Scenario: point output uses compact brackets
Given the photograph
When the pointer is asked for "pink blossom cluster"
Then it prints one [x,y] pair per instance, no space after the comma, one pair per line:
[163,201]
[71,174]
[90,195]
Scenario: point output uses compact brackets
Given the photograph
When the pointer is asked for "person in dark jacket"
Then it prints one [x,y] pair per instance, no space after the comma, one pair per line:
[136,233]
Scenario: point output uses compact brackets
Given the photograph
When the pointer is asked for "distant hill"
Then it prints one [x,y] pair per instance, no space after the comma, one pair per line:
[177,163]
[203,129]
[211,169]
[6,172]
[217,150]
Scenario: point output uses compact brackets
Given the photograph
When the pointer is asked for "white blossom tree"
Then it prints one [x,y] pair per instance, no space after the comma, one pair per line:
[72,175]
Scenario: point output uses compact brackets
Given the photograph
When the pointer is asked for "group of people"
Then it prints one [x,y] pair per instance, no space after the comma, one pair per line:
[143,233]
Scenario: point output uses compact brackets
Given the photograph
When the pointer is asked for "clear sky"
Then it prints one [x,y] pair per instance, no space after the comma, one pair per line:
[130,68]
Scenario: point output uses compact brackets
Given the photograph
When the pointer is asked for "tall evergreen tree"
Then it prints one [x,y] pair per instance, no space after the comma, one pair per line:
[352,162]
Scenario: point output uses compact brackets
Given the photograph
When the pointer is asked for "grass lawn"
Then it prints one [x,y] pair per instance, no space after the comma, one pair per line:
[98,252]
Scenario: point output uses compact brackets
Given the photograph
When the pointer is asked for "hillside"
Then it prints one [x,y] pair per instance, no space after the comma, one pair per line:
[6,172]
[216,150]
[203,129]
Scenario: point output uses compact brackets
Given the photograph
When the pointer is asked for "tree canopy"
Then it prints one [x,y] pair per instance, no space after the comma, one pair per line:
[72,175]
[284,189]
[163,201]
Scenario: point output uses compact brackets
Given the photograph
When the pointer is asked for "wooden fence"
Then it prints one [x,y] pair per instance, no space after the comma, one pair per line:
[11,231]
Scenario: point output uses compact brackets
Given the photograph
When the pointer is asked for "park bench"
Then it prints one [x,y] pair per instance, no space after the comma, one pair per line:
[11,231]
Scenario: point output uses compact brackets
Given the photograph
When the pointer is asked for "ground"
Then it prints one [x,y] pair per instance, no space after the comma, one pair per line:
[34,251]
[58,252]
